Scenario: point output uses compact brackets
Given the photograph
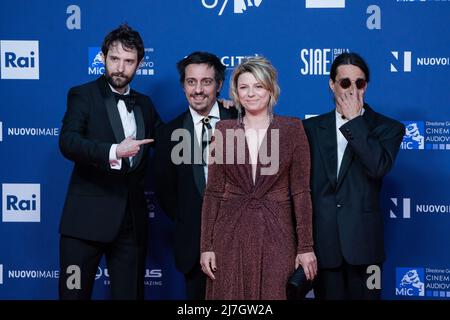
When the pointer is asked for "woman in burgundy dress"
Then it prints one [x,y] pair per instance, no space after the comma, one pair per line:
[256,216]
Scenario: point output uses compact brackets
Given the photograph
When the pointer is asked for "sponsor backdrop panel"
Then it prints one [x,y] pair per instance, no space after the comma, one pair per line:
[46,47]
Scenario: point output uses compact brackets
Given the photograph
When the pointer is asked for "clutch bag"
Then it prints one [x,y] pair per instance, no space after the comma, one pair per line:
[298,286]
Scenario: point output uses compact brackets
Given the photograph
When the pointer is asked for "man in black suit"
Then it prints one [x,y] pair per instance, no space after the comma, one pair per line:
[181,176]
[105,132]
[352,149]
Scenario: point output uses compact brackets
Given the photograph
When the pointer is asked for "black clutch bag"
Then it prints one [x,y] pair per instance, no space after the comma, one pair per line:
[298,286]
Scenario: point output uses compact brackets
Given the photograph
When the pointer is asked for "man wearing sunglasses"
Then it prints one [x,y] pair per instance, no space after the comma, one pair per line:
[352,149]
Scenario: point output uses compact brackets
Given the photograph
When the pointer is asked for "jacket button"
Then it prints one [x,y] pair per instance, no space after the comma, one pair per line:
[339,205]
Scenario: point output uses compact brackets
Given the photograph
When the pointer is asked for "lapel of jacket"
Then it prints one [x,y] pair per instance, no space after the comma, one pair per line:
[226,113]
[345,164]
[197,168]
[326,133]
[140,131]
[112,111]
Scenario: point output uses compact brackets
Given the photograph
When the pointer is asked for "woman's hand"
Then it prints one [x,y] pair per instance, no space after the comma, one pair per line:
[208,263]
[309,263]
[227,104]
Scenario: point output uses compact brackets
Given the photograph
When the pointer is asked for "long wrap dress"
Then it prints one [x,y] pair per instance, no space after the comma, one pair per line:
[256,229]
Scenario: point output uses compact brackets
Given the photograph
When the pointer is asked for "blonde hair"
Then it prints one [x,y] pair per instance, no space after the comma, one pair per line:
[263,71]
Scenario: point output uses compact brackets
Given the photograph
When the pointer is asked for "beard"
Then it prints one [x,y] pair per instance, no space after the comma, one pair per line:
[117,80]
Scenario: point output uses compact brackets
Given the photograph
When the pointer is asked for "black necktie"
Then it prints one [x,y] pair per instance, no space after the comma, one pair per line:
[129,100]
[206,136]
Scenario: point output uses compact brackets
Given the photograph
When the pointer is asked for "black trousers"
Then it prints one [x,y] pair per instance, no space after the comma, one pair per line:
[347,282]
[195,282]
[125,260]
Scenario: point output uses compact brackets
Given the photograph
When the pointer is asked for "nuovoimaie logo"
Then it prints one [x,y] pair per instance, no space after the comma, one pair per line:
[402,62]
[19,59]
[410,282]
[1,273]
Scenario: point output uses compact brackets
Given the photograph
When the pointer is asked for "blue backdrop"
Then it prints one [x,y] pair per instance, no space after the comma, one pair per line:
[49,46]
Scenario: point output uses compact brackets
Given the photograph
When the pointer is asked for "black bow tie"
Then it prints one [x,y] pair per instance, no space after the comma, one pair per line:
[129,99]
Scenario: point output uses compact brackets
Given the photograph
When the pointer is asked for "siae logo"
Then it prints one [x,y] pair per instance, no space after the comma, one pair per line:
[318,61]
[1,273]
[21,202]
[403,212]
[406,59]
[239,6]
[19,59]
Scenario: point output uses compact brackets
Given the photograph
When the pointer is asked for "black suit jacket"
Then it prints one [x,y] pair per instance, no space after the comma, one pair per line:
[97,195]
[347,220]
[179,188]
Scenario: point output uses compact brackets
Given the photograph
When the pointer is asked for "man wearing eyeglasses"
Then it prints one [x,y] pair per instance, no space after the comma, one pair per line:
[181,177]
[352,149]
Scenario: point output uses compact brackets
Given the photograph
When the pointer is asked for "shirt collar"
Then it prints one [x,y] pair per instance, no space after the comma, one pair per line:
[127,92]
[213,113]
[340,121]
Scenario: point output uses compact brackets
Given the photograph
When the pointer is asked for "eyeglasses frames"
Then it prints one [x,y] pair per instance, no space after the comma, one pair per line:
[345,83]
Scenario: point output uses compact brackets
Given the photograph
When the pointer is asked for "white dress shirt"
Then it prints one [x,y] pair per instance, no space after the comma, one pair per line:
[341,141]
[197,118]
[129,130]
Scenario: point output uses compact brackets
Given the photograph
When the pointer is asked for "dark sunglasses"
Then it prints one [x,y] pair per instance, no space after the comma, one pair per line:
[345,83]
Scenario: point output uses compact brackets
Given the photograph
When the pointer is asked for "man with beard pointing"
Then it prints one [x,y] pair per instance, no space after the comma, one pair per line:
[106,132]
